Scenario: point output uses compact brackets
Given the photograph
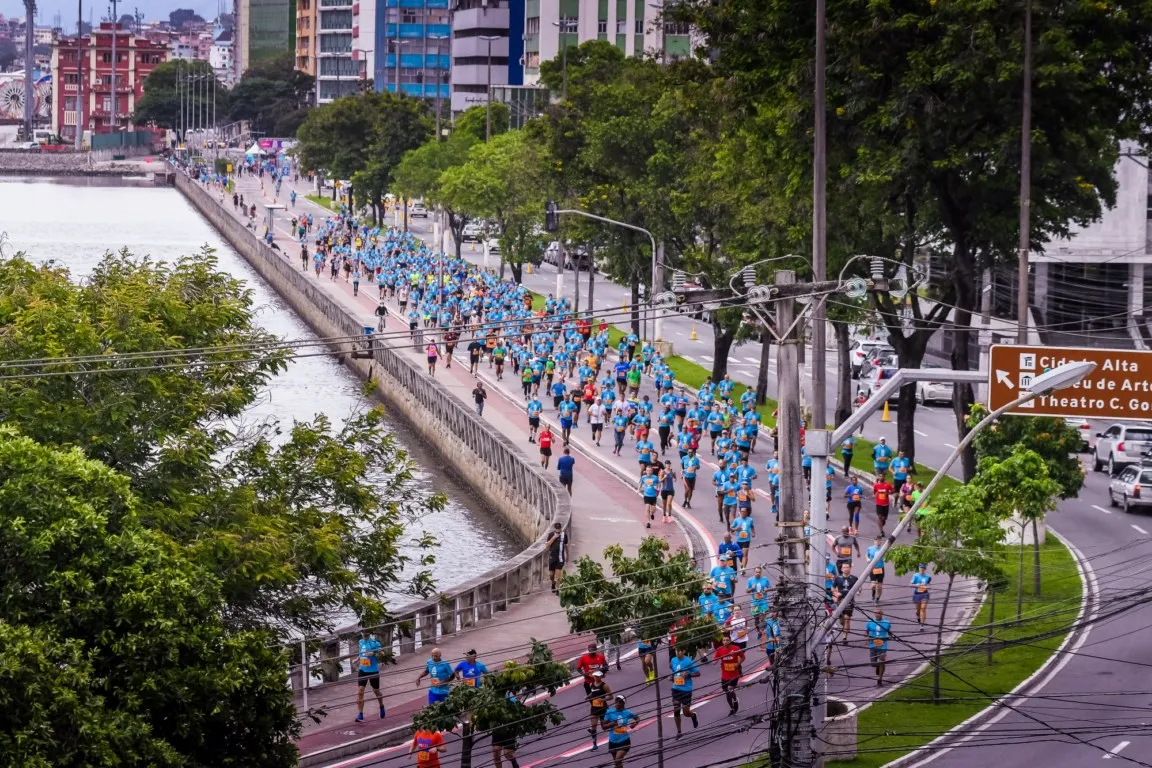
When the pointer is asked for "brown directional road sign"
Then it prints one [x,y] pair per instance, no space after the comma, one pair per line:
[1119,388]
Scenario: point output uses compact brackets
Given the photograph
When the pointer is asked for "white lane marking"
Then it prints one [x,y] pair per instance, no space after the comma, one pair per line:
[752,360]
[706,357]
[678,333]
[949,445]
[1140,530]
[689,359]
[922,434]
[1105,511]
[1116,749]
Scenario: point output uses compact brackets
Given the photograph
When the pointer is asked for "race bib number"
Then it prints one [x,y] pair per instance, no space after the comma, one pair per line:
[678,680]
[743,534]
[921,589]
[365,662]
[423,754]
[597,702]
[877,642]
[877,571]
[620,730]
[845,551]
[758,595]
[855,497]
[470,681]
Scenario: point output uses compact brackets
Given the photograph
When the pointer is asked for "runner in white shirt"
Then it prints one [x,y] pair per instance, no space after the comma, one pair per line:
[737,627]
[596,414]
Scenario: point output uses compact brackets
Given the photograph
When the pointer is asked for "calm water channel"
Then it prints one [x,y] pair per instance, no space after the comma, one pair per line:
[76,222]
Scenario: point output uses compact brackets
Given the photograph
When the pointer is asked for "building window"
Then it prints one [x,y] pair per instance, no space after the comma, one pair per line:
[639,26]
[675,28]
[602,27]
[622,27]
[336,20]
[70,103]
[106,58]
[569,25]
[336,43]
[106,103]
[532,60]
[71,78]
[532,26]
[409,16]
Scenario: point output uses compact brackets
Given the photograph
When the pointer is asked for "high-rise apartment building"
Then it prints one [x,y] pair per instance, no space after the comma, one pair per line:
[633,26]
[306,31]
[339,47]
[484,54]
[264,29]
[411,50]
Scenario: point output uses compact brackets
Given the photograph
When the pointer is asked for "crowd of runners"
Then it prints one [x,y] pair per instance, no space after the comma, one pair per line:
[573,376]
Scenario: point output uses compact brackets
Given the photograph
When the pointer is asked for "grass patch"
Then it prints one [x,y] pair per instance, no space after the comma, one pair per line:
[904,720]
[321,201]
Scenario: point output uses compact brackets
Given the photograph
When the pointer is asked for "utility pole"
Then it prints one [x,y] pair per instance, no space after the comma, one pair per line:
[1025,183]
[819,230]
[115,25]
[29,60]
[79,73]
[795,675]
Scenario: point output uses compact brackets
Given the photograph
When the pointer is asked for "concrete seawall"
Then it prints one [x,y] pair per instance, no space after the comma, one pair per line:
[527,499]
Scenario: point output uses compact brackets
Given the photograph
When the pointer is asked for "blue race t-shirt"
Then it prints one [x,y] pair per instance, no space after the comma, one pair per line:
[471,673]
[441,673]
[619,719]
[682,669]
[369,663]
[565,464]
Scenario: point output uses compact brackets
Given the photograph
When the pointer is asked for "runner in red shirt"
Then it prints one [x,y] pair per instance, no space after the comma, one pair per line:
[883,491]
[545,441]
[589,663]
[731,658]
[427,745]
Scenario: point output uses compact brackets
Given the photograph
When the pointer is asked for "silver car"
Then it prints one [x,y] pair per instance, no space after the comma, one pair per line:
[1121,445]
[933,391]
[1132,488]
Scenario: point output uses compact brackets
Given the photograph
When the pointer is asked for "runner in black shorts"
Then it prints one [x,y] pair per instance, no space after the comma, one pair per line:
[598,695]
[503,746]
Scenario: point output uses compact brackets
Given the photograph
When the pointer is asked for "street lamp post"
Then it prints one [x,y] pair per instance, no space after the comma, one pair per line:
[398,43]
[361,76]
[437,38]
[563,60]
[488,117]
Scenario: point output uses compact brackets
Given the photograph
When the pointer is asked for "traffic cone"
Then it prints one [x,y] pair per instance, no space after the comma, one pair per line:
[886,416]
[693,336]
[528,268]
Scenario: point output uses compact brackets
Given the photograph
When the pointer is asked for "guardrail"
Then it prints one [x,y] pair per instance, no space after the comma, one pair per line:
[516,488]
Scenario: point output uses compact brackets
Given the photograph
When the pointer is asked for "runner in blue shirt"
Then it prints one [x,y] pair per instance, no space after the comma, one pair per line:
[876,575]
[568,410]
[729,546]
[683,670]
[440,673]
[854,494]
[534,408]
[758,587]
[619,721]
[470,671]
[745,531]
[650,490]
[881,456]
[723,577]
[707,600]
[370,652]
[619,430]
[920,582]
[771,635]
[900,467]
[878,631]
[690,465]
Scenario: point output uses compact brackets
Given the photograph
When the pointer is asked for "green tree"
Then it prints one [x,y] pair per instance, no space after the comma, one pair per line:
[1050,438]
[1018,488]
[500,701]
[959,538]
[924,103]
[129,625]
[503,181]
[301,523]
[422,171]
[164,98]
[647,593]
[273,96]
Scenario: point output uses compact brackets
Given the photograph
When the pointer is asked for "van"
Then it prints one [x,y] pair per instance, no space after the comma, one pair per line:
[43,136]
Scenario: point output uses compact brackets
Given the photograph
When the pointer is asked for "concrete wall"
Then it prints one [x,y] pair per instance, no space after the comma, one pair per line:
[21,163]
[526,498]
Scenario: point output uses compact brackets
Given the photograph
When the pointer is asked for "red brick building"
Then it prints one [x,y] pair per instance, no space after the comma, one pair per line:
[82,79]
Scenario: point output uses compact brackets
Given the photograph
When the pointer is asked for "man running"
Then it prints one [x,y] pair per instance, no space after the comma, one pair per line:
[876,577]
[597,413]
[854,494]
[557,545]
[684,670]
[920,582]
[565,465]
[647,652]
[619,722]
[731,658]
[428,746]
[843,546]
[758,587]
[844,582]
[470,671]
[534,408]
[649,490]
[690,465]
[369,672]
[597,697]
[440,674]
[879,629]
[883,491]
[771,635]
[545,438]
[589,663]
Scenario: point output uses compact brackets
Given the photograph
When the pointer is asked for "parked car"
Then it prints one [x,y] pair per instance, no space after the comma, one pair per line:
[877,357]
[579,259]
[1084,428]
[1121,445]
[472,232]
[418,209]
[552,253]
[857,350]
[1132,488]
[874,378]
[933,391]
[31,146]
[494,248]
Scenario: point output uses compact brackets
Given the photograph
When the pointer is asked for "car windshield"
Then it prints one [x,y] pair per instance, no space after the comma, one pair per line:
[1142,435]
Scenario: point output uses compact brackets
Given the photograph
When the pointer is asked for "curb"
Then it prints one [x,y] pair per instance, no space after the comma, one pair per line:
[991,714]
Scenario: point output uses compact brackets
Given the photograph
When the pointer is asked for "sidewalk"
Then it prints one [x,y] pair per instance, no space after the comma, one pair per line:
[606,510]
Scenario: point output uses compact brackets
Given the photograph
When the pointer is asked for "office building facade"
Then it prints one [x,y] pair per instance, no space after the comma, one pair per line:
[264,29]
[339,47]
[633,26]
[412,48]
[482,49]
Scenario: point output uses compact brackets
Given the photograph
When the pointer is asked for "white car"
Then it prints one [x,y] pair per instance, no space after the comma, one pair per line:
[552,253]
[857,351]
[1121,445]
[472,233]
[494,248]
[875,378]
[418,209]
[933,391]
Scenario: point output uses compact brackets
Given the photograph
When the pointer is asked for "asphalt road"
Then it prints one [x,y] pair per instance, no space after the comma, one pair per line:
[1095,706]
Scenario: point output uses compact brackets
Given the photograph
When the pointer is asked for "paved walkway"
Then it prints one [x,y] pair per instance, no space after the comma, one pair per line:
[605,500]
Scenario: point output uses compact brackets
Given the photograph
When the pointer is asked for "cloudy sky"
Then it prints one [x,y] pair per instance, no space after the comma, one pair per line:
[46,10]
